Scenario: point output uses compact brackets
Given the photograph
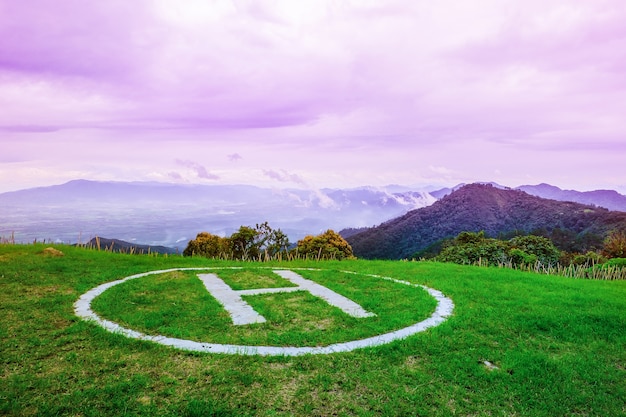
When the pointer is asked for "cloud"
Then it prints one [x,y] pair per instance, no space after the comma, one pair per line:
[315,194]
[200,170]
[234,157]
[355,87]
[175,176]
[440,170]
[284,176]
[29,129]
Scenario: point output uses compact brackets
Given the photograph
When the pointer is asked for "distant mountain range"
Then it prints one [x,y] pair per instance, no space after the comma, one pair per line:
[169,215]
[609,199]
[496,210]
[116,245]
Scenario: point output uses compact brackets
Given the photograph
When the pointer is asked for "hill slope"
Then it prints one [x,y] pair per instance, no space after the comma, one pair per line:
[477,207]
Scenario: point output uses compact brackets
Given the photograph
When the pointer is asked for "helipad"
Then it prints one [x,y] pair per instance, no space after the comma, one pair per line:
[242,314]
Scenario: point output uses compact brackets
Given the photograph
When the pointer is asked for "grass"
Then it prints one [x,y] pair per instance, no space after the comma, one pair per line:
[555,346]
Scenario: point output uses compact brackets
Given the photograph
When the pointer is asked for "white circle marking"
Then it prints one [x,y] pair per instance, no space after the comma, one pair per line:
[444,309]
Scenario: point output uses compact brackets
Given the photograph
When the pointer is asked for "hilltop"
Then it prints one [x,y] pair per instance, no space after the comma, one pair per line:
[497,211]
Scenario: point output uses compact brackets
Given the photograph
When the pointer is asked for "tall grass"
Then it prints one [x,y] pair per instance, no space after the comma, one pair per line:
[585,271]
[8,240]
[284,256]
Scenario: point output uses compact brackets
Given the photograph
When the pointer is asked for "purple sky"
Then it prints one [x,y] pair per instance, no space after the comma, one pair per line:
[314,93]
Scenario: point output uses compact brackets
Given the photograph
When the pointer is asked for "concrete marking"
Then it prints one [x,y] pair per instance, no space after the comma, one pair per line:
[348,306]
[82,309]
[242,313]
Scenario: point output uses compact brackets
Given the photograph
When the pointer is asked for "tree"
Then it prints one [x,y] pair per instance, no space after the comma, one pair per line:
[615,245]
[470,248]
[328,245]
[534,248]
[207,245]
[278,242]
[470,237]
[244,243]
[252,243]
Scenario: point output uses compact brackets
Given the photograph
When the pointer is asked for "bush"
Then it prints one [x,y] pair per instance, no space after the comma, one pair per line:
[245,244]
[519,257]
[615,245]
[620,262]
[328,245]
[542,248]
[207,245]
[470,248]
[581,259]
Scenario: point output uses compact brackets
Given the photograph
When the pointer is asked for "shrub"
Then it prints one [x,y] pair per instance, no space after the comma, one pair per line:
[207,245]
[615,245]
[620,262]
[542,248]
[519,257]
[328,245]
[587,259]
[470,248]
[245,244]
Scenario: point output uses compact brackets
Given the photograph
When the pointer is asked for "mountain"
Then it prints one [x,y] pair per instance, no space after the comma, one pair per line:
[609,199]
[439,194]
[172,214]
[116,245]
[477,207]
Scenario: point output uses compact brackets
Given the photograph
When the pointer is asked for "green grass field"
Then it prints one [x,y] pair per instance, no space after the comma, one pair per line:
[553,346]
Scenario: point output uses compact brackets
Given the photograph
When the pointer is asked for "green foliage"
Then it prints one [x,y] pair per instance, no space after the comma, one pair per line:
[247,243]
[470,248]
[519,257]
[328,245]
[274,241]
[615,245]
[541,248]
[620,262]
[207,245]
[470,238]
[586,259]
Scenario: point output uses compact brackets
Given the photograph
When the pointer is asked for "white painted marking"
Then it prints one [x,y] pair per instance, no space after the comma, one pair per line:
[345,304]
[82,308]
[242,313]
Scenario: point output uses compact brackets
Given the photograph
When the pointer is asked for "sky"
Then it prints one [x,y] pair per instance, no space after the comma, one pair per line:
[314,93]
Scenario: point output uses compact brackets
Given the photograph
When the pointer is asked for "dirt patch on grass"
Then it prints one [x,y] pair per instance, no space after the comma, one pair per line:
[53,252]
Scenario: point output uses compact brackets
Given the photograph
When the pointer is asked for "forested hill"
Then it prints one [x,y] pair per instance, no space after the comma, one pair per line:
[477,207]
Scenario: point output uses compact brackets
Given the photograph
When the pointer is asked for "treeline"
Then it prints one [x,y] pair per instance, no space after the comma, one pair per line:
[263,243]
[475,248]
